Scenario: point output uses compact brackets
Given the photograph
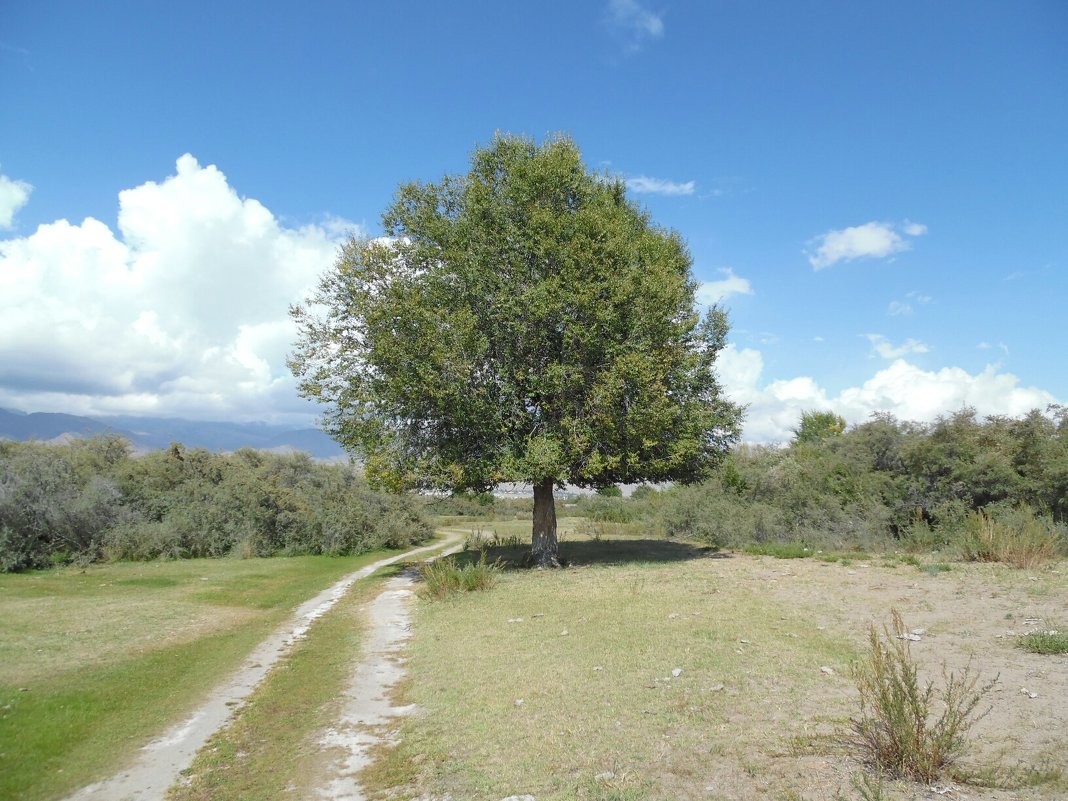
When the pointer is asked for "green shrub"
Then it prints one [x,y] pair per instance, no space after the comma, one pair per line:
[446,576]
[1045,642]
[898,731]
[143,541]
[1019,538]
[92,500]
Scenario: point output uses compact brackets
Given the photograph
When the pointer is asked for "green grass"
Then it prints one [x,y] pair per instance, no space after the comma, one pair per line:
[934,568]
[126,649]
[780,550]
[1053,641]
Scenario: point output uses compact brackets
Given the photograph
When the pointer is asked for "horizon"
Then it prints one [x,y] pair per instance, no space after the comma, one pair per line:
[875,193]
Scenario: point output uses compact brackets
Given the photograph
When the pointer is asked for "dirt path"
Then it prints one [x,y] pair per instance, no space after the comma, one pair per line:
[159,763]
[367,704]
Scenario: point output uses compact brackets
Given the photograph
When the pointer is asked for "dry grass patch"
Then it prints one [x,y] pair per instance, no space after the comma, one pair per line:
[1023,540]
[560,683]
[632,681]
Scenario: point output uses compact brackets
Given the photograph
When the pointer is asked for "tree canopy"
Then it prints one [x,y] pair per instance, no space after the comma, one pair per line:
[522,322]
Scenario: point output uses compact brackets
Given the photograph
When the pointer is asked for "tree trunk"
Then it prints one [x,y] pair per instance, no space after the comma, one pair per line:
[544,547]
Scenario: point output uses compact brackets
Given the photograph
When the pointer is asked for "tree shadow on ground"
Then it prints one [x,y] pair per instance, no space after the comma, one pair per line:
[586,553]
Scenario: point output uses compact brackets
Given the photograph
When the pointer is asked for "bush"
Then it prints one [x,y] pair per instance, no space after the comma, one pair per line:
[92,500]
[445,576]
[897,730]
[142,541]
[1018,537]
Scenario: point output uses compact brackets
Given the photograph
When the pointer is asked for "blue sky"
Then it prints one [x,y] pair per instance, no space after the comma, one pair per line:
[877,191]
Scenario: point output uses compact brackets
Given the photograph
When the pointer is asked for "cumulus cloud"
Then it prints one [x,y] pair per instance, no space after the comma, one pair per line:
[633,23]
[710,292]
[872,240]
[902,389]
[883,347]
[643,184]
[181,311]
[13,196]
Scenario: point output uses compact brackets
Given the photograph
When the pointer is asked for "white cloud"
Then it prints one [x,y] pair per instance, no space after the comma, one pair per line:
[633,23]
[898,308]
[902,389]
[710,292]
[643,184]
[13,196]
[872,240]
[182,311]
[882,346]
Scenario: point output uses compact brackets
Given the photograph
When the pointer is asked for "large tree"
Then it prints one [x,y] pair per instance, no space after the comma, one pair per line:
[522,322]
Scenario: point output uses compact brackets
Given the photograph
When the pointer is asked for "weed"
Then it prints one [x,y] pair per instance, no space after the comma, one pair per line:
[935,568]
[780,550]
[1045,642]
[897,730]
[443,577]
[1022,539]
[871,787]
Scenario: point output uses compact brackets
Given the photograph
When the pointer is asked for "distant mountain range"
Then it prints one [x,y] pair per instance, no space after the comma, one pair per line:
[150,433]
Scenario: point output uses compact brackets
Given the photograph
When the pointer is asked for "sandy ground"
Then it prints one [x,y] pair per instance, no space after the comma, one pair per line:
[972,616]
[160,762]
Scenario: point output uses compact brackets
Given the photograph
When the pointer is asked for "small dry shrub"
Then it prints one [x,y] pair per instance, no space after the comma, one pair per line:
[1022,539]
[898,731]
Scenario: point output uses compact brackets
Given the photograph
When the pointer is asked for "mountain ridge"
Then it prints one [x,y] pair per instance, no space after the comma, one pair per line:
[152,433]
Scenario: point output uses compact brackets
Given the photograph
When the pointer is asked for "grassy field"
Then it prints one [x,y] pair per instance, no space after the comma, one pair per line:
[652,670]
[648,669]
[97,660]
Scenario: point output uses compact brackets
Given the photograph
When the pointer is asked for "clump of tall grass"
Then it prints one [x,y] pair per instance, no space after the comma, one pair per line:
[1045,642]
[897,730]
[479,540]
[1021,539]
[446,576]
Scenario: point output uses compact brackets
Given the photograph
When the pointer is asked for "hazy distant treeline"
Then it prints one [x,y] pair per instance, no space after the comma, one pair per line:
[92,500]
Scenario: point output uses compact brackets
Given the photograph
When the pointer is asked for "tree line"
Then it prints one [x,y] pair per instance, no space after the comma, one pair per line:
[92,499]
[883,483]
